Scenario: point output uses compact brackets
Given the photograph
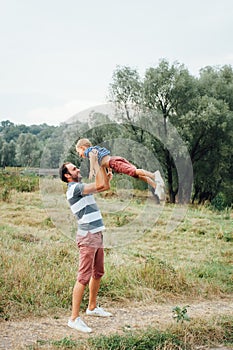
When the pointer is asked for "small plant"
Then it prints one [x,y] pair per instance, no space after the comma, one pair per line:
[67,343]
[180,314]
[5,195]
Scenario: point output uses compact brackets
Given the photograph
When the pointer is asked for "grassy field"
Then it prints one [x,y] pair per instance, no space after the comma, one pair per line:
[39,258]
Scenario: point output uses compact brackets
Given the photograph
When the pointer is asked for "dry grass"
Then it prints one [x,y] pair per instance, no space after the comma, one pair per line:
[39,256]
[143,262]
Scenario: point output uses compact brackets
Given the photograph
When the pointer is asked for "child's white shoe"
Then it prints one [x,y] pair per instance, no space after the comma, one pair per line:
[160,186]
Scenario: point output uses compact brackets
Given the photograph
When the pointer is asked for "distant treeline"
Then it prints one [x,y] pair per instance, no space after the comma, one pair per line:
[166,98]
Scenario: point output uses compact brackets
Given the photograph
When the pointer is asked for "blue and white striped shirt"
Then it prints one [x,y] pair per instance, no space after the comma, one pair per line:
[85,209]
[101,152]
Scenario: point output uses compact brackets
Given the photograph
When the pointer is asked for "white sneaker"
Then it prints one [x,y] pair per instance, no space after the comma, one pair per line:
[159,191]
[160,186]
[79,325]
[98,311]
[159,178]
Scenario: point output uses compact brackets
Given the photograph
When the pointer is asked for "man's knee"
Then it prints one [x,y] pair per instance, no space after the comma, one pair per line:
[98,275]
[84,279]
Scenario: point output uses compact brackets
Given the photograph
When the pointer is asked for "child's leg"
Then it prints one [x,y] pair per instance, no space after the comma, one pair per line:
[146,176]
[155,180]
[142,172]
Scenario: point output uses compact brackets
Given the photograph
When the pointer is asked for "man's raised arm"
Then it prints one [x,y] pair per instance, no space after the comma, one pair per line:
[102,182]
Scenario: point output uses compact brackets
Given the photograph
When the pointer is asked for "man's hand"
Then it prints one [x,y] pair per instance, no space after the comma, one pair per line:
[93,153]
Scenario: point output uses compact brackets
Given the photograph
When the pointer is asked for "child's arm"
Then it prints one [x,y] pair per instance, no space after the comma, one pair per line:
[93,163]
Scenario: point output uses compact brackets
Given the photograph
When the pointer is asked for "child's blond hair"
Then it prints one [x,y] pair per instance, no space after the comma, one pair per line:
[83,142]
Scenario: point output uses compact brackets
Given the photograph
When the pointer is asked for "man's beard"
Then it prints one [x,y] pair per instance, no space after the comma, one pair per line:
[77,178]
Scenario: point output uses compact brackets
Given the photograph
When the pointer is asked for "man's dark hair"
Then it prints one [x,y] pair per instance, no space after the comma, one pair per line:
[63,170]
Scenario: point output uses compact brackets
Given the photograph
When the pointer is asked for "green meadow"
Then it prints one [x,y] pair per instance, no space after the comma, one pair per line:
[144,263]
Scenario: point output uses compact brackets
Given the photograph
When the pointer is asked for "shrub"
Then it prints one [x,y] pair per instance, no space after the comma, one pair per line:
[219,202]
[27,184]
[21,183]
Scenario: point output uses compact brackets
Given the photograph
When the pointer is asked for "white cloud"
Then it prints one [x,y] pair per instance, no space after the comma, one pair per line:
[59,114]
[229,58]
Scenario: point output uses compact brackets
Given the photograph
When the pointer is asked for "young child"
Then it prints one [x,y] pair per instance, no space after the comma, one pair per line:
[101,156]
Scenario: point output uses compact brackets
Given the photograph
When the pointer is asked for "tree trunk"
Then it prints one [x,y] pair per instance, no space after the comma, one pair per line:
[172,193]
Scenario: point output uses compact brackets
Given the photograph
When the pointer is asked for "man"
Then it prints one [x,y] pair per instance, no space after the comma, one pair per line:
[89,240]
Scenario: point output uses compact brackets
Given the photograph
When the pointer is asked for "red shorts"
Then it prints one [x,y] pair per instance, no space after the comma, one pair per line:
[121,165]
[91,257]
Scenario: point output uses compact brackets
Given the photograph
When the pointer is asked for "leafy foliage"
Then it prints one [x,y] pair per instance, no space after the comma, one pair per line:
[180,314]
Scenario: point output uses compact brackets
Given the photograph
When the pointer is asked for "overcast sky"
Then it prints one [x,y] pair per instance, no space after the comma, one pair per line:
[57,57]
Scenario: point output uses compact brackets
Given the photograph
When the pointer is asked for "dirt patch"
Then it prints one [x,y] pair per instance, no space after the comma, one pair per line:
[22,333]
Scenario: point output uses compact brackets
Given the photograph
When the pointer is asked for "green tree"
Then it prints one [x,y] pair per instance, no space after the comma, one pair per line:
[52,153]
[12,132]
[1,145]
[200,109]
[206,129]
[4,124]
[217,83]
[126,89]
[170,90]
[126,92]
[8,154]
[28,150]
[1,142]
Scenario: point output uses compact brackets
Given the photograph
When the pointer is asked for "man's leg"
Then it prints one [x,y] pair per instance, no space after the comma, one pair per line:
[94,286]
[94,283]
[86,255]
[76,299]
[75,321]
